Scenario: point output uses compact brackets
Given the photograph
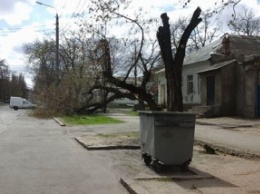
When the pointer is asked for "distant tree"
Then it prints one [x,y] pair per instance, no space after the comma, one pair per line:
[218,6]
[41,57]
[75,74]
[22,86]
[205,33]
[4,70]
[78,71]
[245,23]
[177,28]
[18,86]
[202,35]
[4,81]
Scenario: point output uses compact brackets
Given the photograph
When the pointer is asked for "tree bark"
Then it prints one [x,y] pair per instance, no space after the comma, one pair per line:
[173,66]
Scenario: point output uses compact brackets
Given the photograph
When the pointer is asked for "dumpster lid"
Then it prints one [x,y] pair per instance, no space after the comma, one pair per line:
[165,112]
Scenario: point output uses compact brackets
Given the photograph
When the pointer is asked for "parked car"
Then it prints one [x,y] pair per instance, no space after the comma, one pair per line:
[18,102]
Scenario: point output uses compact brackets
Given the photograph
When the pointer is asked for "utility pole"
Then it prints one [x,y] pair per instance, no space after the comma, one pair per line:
[57,61]
[57,50]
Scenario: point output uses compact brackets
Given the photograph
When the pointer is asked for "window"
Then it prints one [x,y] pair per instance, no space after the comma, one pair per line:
[189,84]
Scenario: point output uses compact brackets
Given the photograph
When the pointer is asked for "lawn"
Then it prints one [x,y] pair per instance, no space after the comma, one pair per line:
[89,120]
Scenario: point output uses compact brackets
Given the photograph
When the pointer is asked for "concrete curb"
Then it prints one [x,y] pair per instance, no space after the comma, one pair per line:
[59,121]
[131,187]
[216,147]
[107,147]
[225,126]
[229,151]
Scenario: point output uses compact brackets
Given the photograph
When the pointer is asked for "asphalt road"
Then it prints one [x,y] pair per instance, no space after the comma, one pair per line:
[38,156]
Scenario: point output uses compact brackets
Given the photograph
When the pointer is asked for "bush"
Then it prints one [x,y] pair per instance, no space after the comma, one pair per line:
[43,113]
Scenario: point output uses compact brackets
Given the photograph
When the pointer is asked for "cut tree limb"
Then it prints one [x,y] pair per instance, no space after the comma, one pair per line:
[173,66]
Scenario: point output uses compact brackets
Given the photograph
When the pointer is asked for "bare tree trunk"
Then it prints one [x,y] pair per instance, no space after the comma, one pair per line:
[173,66]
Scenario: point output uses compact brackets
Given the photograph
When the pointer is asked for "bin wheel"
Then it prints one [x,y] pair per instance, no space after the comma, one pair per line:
[147,159]
[158,167]
[185,166]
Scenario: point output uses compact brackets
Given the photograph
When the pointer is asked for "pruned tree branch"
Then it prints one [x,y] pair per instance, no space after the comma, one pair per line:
[173,66]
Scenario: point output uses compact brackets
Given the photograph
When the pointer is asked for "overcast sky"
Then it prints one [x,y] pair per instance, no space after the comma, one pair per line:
[22,21]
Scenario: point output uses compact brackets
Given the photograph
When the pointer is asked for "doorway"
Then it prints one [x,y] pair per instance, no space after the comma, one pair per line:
[211,91]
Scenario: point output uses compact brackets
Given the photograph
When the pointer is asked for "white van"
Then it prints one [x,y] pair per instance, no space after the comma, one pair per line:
[18,102]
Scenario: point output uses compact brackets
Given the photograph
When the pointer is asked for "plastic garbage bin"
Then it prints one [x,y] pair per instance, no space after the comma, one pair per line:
[167,138]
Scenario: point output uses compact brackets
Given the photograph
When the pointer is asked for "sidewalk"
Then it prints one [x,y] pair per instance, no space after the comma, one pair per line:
[211,174]
[234,136]
[242,136]
[232,142]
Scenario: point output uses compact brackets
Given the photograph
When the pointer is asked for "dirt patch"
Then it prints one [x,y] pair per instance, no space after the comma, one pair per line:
[111,139]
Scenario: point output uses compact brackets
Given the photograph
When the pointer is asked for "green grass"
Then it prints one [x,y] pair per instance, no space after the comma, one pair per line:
[89,120]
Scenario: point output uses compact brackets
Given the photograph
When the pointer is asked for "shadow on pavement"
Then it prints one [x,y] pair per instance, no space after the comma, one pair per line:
[191,178]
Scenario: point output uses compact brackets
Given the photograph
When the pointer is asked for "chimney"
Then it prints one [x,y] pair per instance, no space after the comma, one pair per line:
[226,45]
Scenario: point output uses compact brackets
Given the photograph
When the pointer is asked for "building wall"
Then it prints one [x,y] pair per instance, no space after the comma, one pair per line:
[228,91]
[203,89]
[205,110]
[218,95]
[250,93]
[225,96]
[246,93]
[192,69]
[235,90]
[162,89]
[240,90]
[218,88]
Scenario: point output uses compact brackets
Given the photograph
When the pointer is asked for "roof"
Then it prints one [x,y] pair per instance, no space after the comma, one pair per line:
[239,45]
[217,66]
[204,53]
[246,45]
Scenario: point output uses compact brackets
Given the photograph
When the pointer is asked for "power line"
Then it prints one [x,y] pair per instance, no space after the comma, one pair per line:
[44,28]
[75,14]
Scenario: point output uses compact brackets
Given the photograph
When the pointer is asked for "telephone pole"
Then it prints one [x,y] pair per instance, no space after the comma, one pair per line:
[57,50]
[57,61]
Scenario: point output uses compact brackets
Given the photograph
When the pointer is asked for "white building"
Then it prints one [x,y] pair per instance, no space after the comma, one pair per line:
[193,64]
